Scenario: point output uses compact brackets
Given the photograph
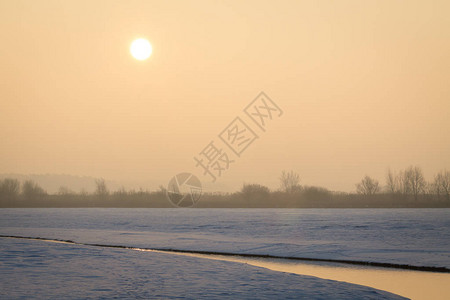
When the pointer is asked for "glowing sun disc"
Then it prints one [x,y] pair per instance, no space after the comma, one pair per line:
[141,49]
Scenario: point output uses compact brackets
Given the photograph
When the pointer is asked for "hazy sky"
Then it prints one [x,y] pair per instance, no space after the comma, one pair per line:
[364,86]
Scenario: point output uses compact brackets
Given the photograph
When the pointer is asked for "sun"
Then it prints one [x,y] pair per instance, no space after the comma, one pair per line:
[141,49]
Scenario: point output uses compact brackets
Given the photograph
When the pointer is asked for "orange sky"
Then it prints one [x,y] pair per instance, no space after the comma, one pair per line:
[364,86]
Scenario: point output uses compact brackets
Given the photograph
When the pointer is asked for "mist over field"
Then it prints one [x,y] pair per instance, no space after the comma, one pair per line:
[405,188]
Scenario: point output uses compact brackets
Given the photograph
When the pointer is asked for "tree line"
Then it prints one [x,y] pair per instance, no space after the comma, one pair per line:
[405,188]
[408,183]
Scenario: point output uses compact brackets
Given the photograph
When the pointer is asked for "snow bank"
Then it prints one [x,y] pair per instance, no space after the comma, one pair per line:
[44,270]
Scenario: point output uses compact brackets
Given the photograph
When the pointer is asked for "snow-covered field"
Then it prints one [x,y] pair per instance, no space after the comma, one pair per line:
[43,270]
[40,269]
[419,237]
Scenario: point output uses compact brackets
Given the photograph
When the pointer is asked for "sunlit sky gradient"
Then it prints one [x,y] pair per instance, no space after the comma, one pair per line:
[365,85]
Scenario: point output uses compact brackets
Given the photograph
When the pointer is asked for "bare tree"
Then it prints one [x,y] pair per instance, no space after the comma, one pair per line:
[368,186]
[31,190]
[403,182]
[415,181]
[122,192]
[255,194]
[430,189]
[9,188]
[391,182]
[289,181]
[101,189]
[442,184]
[254,189]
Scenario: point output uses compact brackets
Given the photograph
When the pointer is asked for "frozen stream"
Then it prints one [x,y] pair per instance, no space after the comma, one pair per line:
[411,284]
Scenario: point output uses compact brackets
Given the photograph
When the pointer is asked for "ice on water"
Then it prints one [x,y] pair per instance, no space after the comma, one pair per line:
[31,268]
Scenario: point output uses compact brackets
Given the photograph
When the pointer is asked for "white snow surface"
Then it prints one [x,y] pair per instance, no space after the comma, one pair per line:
[33,269]
[419,237]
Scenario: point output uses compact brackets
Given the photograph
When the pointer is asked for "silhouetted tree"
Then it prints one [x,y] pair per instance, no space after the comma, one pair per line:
[101,191]
[315,194]
[31,190]
[9,188]
[442,184]
[368,186]
[391,182]
[255,194]
[254,189]
[404,185]
[413,178]
[289,181]
[121,192]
